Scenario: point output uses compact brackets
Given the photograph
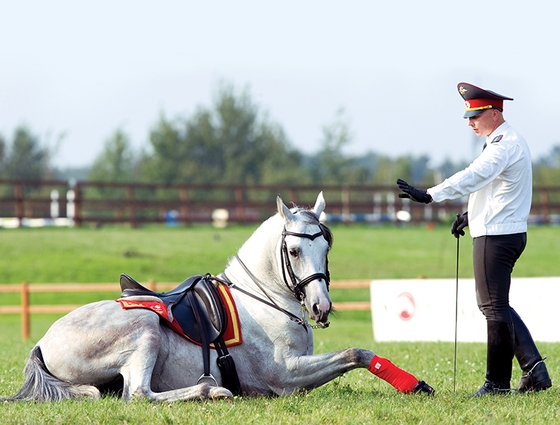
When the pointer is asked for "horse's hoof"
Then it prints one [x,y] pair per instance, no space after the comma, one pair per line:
[217,393]
[422,387]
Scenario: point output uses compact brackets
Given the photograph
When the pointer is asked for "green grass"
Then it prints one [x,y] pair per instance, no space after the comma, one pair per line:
[360,252]
[355,398]
[52,255]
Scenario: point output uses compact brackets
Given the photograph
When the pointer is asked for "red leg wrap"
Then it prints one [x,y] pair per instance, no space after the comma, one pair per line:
[398,378]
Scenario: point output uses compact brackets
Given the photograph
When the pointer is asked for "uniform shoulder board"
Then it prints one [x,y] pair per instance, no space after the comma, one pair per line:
[497,138]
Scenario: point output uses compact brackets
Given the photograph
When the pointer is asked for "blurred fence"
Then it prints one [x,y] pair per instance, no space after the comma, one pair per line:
[25,309]
[57,202]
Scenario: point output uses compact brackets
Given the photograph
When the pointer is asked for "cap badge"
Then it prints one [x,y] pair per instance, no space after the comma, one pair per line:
[462,90]
[467,104]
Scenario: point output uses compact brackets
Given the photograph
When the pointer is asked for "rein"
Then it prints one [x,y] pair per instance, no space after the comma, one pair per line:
[271,303]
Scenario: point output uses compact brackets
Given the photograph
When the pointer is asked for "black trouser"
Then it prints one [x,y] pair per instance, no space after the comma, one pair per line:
[493,261]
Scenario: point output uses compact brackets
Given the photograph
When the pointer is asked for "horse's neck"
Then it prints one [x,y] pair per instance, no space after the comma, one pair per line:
[258,255]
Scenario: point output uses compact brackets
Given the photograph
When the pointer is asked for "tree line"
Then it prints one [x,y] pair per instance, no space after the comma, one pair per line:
[234,141]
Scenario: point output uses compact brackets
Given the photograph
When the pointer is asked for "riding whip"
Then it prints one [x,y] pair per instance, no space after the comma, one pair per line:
[456,313]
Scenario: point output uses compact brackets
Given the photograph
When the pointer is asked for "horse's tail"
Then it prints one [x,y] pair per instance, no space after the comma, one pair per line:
[40,385]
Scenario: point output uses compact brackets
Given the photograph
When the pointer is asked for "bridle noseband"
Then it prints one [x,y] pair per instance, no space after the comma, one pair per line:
[298,285]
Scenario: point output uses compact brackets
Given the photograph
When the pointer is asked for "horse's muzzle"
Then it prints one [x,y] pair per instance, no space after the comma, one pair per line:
[323,325]
[321,315]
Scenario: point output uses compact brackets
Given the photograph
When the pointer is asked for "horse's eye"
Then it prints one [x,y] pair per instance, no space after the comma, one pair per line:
[294,252]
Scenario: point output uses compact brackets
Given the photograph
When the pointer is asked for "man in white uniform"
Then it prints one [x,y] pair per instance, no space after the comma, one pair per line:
[499,185]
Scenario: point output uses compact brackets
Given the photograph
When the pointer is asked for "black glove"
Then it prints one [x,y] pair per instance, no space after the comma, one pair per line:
[459,224]
[412,193]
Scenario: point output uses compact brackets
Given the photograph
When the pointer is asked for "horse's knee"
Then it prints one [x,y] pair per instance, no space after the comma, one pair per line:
[138,394]
[148,394]
[136,391]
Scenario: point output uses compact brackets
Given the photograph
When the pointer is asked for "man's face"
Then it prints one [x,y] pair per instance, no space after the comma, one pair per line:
[484,123]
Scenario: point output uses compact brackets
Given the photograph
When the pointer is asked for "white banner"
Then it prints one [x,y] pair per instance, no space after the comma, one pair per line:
[424,309]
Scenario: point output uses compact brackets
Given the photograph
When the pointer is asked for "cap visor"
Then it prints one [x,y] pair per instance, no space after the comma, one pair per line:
[470,114]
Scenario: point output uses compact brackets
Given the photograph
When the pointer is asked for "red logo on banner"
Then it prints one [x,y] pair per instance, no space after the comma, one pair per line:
[406,306]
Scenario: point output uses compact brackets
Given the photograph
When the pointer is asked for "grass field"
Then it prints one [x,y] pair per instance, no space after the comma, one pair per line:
[52,255]
[360,252]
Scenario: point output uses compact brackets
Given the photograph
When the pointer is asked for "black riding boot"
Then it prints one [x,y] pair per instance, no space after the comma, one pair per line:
[535,376]
[499,359]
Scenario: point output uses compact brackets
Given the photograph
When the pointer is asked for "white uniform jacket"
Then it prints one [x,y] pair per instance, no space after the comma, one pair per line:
[499,182]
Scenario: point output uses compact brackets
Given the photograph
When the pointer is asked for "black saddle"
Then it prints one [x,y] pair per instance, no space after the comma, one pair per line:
[199,310]
[195,305]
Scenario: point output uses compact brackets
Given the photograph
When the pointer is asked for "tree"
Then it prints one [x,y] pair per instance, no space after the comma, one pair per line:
[546,170]
[116,161]
[2,155]
[25,159]
[169,153]
[282,163]
[331,166]
[232,142]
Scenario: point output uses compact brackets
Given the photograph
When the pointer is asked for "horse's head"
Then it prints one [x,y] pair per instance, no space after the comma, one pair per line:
[305,245]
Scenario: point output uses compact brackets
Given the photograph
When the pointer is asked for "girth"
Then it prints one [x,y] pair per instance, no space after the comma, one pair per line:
[194,308]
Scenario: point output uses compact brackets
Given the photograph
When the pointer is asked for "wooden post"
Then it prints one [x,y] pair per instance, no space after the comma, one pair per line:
[239,204]
[184,197]
[293,195]
[25,310]
[345,198]
[130,202]
[543,195]
[77,205]
[18,194]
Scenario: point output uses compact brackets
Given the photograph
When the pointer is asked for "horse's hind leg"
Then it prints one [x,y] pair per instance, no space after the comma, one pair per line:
[197,392]
[137,383]
[40,385]
[137,377]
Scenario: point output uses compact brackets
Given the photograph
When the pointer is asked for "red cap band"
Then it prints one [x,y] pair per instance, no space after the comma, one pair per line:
[478,104]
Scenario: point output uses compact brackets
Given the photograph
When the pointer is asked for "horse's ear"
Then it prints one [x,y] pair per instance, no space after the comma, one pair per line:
[319,204]
[283,210]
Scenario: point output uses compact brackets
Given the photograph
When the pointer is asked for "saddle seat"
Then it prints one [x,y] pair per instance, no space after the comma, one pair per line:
[207,316]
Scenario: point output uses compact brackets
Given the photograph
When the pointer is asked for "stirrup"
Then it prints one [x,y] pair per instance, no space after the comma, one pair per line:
[203,376]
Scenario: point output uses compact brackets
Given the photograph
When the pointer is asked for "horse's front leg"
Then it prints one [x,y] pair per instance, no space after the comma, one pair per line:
[315,370]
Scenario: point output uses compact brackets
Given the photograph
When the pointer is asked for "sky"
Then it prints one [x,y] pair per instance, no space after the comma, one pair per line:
[76,72]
